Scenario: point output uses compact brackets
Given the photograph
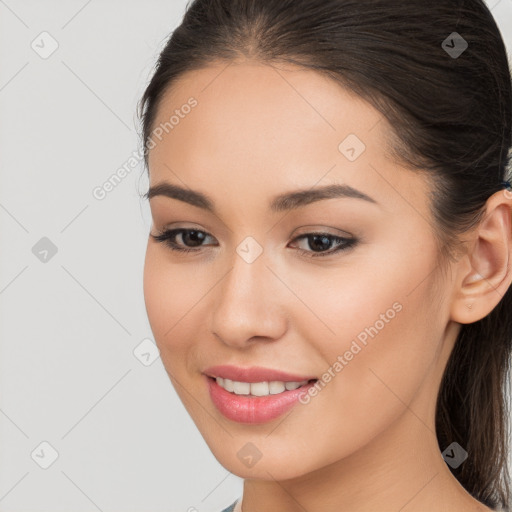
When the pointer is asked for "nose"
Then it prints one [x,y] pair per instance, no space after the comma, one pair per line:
[248,304]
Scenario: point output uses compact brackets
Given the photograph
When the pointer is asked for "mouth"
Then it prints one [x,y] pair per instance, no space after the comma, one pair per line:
[255,402]
[258,389]
[255,374]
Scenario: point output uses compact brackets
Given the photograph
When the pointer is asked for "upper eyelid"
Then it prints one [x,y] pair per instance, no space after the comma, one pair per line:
[308,229]
[310,232]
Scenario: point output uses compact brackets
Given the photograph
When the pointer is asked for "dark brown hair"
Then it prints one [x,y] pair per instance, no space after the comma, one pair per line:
[451,118]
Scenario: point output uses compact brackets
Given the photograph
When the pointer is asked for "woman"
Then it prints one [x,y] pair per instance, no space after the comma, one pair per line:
[328,273]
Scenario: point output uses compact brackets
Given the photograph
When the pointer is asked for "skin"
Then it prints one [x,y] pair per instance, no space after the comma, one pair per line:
[367,441]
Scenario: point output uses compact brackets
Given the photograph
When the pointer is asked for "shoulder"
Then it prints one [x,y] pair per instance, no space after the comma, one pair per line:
[231,508]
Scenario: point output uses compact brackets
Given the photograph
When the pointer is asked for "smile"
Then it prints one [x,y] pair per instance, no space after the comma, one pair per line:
[258,388]
[255,402]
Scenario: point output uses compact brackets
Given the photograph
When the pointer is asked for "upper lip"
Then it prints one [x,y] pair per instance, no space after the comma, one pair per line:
[254,374]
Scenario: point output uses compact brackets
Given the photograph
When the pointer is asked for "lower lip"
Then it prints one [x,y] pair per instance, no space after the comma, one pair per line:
[253,409]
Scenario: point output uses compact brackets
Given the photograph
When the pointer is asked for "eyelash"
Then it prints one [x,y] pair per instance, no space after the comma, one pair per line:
[167,236]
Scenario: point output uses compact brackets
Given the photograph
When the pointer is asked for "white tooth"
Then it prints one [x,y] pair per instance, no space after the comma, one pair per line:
[276,387]
[259,388]
[228,385]
[241,388]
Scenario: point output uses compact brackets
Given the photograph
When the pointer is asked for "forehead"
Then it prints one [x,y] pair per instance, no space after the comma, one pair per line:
[264,101]
[256,126]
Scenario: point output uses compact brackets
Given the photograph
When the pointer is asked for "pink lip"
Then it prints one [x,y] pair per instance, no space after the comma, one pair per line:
[253,409]
[253,374]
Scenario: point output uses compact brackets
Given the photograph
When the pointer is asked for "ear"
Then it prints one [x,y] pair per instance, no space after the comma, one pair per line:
[484,274]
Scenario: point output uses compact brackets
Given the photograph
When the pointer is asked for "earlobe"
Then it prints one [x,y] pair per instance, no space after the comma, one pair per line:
[485,273]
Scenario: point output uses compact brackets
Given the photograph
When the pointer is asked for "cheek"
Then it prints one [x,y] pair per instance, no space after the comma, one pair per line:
[383,378]
[169,298]
[385,343]
[381,298]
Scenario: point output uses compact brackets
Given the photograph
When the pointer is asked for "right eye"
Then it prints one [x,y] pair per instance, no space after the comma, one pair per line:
[194,236]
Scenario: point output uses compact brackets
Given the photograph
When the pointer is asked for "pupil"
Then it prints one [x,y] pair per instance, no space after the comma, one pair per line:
[196,236]
[325,240]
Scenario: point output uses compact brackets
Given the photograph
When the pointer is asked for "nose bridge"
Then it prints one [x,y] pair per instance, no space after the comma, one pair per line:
[246,302]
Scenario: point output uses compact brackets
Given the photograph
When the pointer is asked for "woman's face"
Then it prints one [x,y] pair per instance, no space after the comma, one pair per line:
[256,291]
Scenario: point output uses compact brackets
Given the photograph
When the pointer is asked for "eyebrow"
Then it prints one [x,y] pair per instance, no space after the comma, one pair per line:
[282,202]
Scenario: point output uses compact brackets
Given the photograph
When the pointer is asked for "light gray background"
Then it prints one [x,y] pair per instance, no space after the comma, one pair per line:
[69,326]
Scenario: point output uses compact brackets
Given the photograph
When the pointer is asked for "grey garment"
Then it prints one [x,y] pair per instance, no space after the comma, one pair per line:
[231,507]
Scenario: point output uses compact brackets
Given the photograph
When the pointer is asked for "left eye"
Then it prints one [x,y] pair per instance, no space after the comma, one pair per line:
[317,241]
